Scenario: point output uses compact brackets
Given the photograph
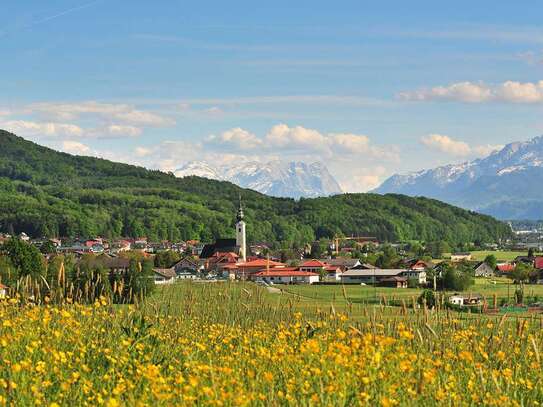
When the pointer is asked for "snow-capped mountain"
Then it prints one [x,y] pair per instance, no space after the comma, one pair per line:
[505,184]
[275,178]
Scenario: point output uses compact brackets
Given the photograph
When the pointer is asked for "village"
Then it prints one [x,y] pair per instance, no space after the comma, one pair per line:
[232,259]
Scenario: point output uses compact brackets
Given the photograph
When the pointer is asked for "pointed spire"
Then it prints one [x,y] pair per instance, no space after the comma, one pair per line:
[240,210]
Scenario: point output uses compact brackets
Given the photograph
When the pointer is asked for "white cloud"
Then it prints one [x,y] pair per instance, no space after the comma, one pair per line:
[214,111]
[448,145]
[283,136]
[67,130]
[122,130]
[283,140]
[469,92]
[486,149]
[107,111]
[142,151]
[350,143]
[75,147]
[50,129]
[139,117]
[237,138]
[364,179]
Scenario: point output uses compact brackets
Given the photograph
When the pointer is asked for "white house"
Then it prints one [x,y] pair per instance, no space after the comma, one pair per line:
[286,275]
[417,274]
[187,275]
[164,276]
[370,276]
[465,300]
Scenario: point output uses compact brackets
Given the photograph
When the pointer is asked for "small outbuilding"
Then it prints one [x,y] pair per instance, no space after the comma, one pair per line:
[395,282]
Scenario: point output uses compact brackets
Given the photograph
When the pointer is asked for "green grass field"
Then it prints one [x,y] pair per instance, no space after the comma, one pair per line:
[324,295]
[501,255]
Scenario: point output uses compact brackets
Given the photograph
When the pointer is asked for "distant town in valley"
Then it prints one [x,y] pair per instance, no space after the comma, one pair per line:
[343,260]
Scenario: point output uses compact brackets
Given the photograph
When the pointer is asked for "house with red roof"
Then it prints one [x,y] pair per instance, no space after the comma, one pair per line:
[505,268]
[285,275]
[313,266]
[219,260]
[248,268]
[538,262]
[333,273]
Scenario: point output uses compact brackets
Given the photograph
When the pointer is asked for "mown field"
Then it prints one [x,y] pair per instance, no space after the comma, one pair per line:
[238,344]
[501,255]
[503,288]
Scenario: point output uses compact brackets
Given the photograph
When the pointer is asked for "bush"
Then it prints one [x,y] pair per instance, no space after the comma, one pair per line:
[454,279]
[413,283]
[427,297]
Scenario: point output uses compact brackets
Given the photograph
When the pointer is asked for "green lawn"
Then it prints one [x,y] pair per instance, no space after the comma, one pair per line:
[501,255]
[337,294]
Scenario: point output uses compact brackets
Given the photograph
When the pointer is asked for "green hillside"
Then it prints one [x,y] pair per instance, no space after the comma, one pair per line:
[47,193]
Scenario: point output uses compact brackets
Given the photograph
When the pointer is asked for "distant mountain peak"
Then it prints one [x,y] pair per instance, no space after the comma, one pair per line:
[502,184]
[294,179]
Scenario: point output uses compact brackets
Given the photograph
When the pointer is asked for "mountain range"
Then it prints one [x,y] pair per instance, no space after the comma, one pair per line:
[274,178]
[44,192]
[506,184]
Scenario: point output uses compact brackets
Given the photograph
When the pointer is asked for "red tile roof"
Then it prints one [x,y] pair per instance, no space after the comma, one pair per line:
[506,267]
[285,272]
[539,262]
[313,263]
[261,263]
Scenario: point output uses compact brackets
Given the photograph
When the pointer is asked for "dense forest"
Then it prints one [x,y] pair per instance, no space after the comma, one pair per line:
[47,193]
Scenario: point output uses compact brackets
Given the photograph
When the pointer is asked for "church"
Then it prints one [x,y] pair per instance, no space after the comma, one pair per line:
[237,245]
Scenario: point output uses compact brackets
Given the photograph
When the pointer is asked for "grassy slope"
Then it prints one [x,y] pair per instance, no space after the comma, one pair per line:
[46,192]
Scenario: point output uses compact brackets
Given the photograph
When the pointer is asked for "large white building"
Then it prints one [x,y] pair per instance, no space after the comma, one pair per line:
[241,238]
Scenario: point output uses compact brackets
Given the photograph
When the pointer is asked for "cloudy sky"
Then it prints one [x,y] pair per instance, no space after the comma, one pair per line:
[369,88]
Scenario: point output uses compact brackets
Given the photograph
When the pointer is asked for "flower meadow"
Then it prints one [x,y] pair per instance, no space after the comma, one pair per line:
[234,344]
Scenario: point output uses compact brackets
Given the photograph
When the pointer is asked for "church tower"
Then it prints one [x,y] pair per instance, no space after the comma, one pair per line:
[241,240]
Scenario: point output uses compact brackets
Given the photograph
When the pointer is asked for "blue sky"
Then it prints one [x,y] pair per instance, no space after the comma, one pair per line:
[369,88]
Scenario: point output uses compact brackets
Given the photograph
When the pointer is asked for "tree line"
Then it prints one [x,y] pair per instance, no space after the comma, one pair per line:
[50,194]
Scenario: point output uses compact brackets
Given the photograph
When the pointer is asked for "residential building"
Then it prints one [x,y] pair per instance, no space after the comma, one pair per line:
[482,269]
[505,268]
[395,282]
[345,263]
[333,273]
[313,266]
[286,275]
[246,269]
[370,276]
[187,264]
[376,276]
[164,276]
[466,300]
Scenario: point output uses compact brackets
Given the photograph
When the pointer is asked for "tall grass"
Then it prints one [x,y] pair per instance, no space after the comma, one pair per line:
[237,344]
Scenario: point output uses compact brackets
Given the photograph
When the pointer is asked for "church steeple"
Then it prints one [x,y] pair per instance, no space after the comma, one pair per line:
[241,240]
[240,211]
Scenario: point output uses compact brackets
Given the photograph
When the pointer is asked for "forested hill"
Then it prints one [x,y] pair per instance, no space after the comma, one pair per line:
[47,193]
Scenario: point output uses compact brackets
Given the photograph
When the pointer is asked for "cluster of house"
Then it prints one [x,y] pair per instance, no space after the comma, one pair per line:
[229,265]
[99,245]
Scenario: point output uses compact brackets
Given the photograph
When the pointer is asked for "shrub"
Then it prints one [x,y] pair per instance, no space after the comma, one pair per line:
[427,297]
